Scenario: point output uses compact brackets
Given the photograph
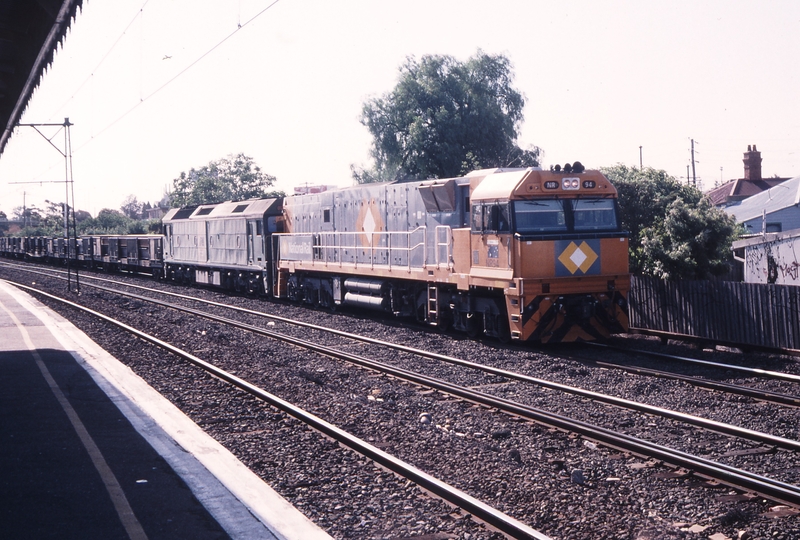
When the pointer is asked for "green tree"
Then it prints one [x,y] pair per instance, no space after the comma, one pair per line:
[693,241]
[108,221]
[137,227]
[232,178]
[131,207]
[154,226]
[53,220]
[111,219]
[29,214]
[675,233]
[445,118]
[82,215]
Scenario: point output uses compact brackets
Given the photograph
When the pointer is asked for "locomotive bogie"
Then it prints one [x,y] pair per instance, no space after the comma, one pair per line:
[575,317]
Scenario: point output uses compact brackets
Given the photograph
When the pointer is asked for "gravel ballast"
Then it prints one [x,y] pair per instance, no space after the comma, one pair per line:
[561,484]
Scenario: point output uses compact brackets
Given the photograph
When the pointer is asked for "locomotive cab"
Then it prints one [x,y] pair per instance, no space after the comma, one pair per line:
[557,239]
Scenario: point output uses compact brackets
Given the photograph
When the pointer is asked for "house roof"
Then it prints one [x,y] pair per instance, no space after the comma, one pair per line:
[741,188]
[30,32]
[781,196]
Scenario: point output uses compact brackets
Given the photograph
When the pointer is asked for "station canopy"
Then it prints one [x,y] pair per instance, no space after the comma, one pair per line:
[30,32]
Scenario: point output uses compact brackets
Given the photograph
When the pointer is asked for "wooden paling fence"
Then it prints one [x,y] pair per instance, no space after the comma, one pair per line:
[720,311]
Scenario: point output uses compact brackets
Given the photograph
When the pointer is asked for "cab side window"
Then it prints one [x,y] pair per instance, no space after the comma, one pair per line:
[491,218]
[477,218]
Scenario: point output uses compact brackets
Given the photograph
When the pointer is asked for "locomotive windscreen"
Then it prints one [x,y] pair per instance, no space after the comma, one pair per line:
[594,214]
[565,215]
[540,216]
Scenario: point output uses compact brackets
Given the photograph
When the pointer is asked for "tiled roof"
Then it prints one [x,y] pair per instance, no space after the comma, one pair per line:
[740,189]
[781,196]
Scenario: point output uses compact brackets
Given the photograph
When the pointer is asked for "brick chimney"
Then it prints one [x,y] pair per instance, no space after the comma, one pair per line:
[752,164]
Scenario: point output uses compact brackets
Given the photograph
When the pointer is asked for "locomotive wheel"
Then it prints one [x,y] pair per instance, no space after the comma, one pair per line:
[474,325]
[252,285]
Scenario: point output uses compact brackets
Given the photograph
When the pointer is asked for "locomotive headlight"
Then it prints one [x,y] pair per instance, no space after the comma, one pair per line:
[570,183]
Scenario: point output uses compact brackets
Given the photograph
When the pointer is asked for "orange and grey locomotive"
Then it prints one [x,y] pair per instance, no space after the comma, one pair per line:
[526,254]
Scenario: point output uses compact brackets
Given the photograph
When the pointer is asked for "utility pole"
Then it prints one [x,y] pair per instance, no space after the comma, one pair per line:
[69,185]
[694,174]
[640,157]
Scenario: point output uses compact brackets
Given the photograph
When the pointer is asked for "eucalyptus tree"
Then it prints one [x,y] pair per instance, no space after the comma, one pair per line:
[232,178]
[444,118]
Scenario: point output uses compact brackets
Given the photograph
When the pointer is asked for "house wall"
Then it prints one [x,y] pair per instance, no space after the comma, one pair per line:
[789,218]
[774,261]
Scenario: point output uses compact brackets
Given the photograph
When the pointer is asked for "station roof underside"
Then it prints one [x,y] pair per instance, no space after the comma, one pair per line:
[30,32]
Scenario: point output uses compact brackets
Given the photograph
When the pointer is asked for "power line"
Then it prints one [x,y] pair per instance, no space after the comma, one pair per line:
[91,75]
[180,73]
[143,99]
[100,63]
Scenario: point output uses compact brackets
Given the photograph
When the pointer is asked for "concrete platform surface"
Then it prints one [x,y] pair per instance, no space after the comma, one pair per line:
[89,450]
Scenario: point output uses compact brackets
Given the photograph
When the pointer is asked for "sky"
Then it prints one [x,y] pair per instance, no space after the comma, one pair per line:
[154,88]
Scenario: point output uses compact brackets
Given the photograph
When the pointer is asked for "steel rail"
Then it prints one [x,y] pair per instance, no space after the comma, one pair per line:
[733,367]
[698,421]
[734,477]
[762,395]
[751,371]
[475,507]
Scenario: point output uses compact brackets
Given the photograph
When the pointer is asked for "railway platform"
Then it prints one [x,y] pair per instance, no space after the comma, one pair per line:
[89,450]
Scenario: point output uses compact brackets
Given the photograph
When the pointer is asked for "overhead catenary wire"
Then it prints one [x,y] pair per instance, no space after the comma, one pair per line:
[142,98]
[178,75]
[102,60]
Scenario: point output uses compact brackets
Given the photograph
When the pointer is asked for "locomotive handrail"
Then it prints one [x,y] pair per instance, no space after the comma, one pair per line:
[447,244]
[326,246]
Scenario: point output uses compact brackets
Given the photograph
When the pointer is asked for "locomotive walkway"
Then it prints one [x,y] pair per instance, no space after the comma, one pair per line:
[88,450]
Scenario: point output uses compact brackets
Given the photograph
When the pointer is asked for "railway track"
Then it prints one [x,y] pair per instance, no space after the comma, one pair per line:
[446,492]
[765,395]
[553,421]
[736,478]
[748,371]
[761,438]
